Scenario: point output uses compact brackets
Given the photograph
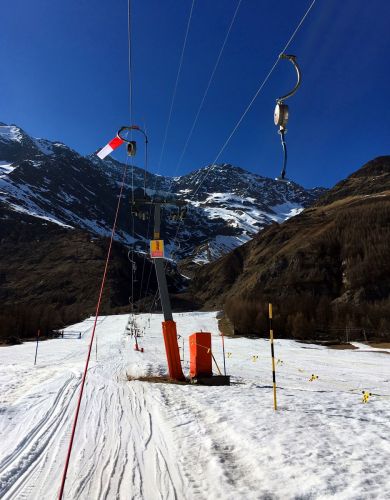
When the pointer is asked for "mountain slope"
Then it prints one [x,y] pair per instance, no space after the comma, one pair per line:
[50,276]
[227,205]
[371,179]
[329,263]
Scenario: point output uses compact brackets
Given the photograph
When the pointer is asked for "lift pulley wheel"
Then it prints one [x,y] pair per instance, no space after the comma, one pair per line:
[281,115]
[131,148]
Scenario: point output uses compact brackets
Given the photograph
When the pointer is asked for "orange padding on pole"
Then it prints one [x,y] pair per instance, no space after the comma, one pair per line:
[172,350]
[200,355]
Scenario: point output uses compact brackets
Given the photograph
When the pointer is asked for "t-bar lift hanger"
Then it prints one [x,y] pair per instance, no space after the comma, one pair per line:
[131,146]
[281,113]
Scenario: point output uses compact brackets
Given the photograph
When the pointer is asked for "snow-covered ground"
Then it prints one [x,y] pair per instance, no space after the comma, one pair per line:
[140,440]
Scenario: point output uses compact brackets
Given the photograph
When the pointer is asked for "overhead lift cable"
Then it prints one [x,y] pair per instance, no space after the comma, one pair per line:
[194,122]
[213,164]
[131,150]
[178,165]
[256,94]
[103,282]
[208,86]
[130,73]
[147,229]
[130,80]
[206,90]
[176,85]
[173,98]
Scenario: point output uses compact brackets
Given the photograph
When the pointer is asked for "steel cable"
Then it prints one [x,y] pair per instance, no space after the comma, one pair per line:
[265,80]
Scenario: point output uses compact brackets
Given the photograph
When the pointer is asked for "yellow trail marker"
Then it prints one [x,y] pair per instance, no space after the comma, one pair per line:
[229,354]
[255,358]
[313,377]
[366,396]
[279,362]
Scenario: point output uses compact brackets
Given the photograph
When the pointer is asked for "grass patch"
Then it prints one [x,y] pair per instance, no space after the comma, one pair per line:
[379,345]
[342,346]
[225,326]
[157,379]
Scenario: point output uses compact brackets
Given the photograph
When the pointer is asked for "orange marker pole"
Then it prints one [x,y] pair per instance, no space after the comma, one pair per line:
[271,338]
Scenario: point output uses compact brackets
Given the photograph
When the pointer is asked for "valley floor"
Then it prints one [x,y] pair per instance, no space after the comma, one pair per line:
[140,440]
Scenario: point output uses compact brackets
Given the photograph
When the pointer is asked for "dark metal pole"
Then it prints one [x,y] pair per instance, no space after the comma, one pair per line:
[160,270]
[271,338]
[168,325]
[223,350]
[36,348]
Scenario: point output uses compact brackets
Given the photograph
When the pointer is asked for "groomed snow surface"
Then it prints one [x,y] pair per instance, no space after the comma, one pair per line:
[141,440]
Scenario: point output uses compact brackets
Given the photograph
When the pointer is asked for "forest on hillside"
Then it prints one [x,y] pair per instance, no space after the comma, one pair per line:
[356,299]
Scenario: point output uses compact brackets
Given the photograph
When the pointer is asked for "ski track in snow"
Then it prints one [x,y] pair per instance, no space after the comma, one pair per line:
[139,440]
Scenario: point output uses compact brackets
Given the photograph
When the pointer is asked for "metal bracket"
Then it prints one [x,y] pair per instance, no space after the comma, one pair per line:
[293,60]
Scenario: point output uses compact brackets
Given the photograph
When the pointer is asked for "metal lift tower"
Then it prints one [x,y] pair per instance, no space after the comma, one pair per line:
[157,254]
[141,207]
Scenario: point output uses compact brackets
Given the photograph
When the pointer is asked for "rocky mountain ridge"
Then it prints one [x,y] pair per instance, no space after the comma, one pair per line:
[227,205]
[326,270]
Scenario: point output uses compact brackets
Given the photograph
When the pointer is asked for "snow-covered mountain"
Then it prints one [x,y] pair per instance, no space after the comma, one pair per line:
[226,204]
[243,201]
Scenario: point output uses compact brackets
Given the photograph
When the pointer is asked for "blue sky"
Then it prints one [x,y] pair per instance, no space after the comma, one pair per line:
[65,77]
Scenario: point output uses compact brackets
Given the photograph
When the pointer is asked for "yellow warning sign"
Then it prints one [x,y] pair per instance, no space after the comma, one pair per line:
[157,249]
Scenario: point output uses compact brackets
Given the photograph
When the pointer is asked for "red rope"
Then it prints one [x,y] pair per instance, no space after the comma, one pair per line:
[60,495]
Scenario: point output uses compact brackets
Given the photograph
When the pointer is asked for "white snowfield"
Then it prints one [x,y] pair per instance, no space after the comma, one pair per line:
[142,440]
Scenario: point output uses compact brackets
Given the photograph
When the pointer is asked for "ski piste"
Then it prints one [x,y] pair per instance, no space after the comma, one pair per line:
[144,440]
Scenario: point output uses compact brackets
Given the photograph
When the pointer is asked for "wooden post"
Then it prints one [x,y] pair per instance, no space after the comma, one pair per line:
[271,338]
[215,361]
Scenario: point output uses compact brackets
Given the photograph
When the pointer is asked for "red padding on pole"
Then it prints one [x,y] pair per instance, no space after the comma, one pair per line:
[172,350]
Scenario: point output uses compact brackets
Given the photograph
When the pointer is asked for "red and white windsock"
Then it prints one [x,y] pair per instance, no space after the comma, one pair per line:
[109,148]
